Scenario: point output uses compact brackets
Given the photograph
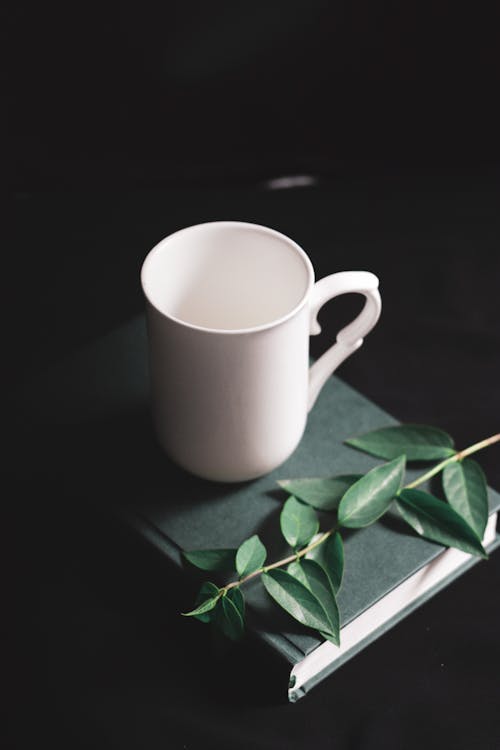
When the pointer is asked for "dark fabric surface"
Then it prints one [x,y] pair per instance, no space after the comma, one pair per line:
[100,656]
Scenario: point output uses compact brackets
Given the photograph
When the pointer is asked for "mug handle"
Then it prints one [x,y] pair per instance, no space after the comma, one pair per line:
[349,338]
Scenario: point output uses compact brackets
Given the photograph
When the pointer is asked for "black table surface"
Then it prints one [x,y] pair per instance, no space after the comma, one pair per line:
[101,656]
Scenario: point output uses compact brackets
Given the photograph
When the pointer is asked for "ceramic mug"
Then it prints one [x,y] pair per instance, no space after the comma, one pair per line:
[230,308]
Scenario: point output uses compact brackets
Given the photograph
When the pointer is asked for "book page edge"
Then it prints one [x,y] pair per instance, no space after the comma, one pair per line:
[372,621]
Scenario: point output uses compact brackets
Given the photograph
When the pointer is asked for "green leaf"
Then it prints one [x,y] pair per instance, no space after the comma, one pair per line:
[312,575]
[370,496]
[322,494]
[465,488]
[417,442]
[437,521]
[299,523]
[296,599]
[236,596]
[297,571]
[330,555]
[228,618]
[207,591]
[211,559]
[206,605]
[250,556]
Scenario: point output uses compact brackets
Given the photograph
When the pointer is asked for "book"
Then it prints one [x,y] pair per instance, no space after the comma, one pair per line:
[97,401]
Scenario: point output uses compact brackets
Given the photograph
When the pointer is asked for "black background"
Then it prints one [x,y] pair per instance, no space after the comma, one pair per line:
[155,93]
[130,122]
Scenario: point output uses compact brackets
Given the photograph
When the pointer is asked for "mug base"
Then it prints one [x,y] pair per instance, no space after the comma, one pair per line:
[232,475]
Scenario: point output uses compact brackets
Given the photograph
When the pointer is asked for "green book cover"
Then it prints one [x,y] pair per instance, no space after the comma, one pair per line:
[388,570]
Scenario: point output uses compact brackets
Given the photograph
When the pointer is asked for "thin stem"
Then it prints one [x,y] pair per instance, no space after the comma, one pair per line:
[323,537]
[456,457]
[285,561]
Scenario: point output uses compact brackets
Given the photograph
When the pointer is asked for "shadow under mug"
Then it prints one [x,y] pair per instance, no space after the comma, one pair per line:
[230,308]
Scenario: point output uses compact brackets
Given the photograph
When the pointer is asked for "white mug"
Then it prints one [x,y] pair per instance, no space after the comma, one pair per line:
[230,308]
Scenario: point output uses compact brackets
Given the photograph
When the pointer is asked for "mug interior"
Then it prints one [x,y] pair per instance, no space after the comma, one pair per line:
[227,276]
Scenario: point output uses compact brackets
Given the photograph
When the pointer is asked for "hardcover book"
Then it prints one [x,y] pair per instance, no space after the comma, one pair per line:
[102,394]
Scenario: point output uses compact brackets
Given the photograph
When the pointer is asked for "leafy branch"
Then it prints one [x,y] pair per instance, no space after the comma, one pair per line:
[305,583]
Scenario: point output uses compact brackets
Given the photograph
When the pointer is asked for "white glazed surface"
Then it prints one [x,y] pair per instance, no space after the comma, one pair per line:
[229,408]
[227,276]
[230,307]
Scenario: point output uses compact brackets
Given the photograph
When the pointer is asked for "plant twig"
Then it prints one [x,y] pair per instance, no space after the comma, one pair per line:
[324,536]
[291,558]
[457,457]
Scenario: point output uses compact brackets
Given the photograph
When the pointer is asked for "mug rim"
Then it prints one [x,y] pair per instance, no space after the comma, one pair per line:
[231,223]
